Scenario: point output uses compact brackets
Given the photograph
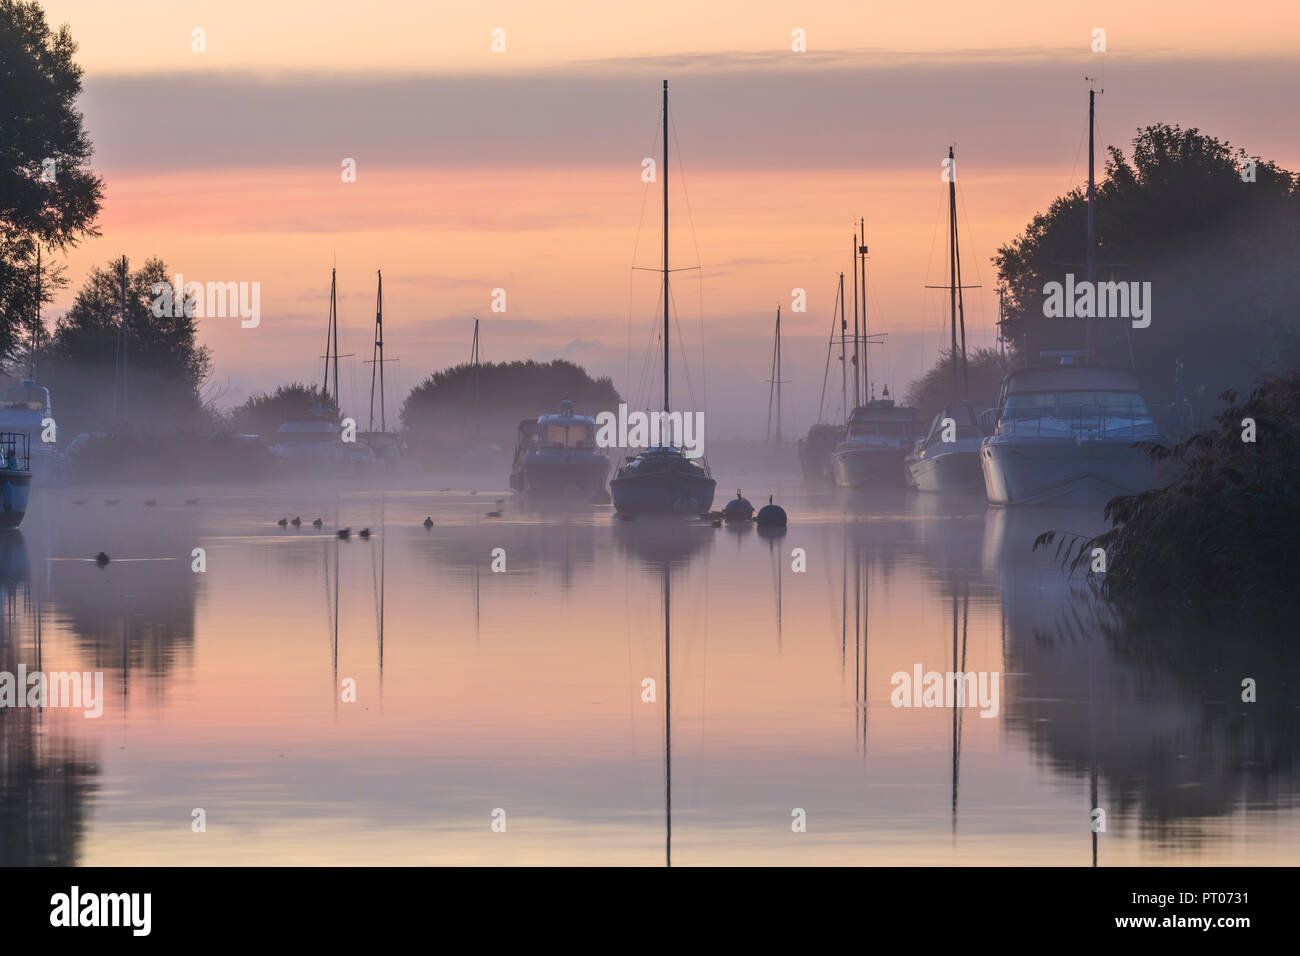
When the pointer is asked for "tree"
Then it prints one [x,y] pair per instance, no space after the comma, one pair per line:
[1215,232]
[264,412]
[484,404]
[148,377]
[48,195]
[941,384]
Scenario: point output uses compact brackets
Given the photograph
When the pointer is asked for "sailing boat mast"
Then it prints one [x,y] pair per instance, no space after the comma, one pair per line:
[866,343]
[332,343]
[474,361]
[957,305]
[857,365]
[844,371]
[36,325]
[774,383]
[377,360]
[665,178]
[1092,205]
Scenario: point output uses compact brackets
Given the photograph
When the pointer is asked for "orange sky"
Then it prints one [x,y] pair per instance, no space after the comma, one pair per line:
[521,169]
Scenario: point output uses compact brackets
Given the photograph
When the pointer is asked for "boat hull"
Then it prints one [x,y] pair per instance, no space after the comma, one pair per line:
[815,451]
[15,490]
[1063,471]
[950,472]
[561,479]
[663,492]
[868,467]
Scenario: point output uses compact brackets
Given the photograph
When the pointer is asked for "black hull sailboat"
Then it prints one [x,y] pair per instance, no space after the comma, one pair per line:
[663,478]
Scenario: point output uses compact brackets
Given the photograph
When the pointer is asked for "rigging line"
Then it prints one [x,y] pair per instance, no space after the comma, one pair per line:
[830,346]
[686,367]
[979,279]
[636,245]
[690,220]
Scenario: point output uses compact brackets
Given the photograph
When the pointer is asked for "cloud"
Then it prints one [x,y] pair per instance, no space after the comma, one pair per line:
[837,110]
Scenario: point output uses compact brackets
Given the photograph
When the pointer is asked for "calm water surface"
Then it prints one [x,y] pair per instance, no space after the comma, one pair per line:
[522,691]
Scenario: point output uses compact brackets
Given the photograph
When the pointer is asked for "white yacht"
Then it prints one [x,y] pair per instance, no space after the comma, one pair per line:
[316,440]
[878,438]
[1068,436]
[948,458]
[25,409]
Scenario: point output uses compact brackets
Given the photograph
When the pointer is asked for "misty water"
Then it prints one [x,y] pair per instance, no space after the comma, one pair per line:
[522,691]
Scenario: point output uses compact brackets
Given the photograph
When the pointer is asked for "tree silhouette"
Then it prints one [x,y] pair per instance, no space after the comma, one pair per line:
[1219,252]
[48,195]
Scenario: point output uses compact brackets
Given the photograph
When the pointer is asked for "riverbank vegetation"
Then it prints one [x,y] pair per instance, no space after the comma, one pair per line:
[1226,529]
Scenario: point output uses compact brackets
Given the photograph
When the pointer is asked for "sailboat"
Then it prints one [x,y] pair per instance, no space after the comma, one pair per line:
[879,434]
[305,442]
[948,458]
[1067,435]
[662,478]
[386,445]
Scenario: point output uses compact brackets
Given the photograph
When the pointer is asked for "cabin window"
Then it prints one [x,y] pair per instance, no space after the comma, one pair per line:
[572,436]
[1113,403]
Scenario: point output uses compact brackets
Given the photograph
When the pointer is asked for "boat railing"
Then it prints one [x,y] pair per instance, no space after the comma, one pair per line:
[15,451]
[1091,420]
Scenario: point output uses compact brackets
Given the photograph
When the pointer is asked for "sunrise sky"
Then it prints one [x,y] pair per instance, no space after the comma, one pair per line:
[521,169]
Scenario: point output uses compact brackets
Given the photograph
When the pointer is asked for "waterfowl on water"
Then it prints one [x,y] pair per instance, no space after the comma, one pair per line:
[296,522]
[283,522]
[494,514]
[364,532]
[428,523]
[317,523]
[101,559]
[345,532]
[151,503]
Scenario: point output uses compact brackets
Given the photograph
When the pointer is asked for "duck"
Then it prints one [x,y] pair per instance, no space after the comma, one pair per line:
[345,532]
[317,523]
[101,559]
[494,514]
[428,523]
[296,522]
[364,532]
[79,501]
[151,503]
[283,522]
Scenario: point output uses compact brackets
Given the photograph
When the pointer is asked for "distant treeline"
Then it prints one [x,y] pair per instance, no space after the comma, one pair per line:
[469,405]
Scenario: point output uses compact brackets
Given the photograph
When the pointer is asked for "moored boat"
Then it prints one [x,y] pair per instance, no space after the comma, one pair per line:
[1069,436]
[557,455]
[948,458]
[879,437]
[662,478]
[15,477]
[26,408]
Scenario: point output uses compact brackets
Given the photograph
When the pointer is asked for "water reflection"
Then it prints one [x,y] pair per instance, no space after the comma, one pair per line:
[46,776]
[523,689]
